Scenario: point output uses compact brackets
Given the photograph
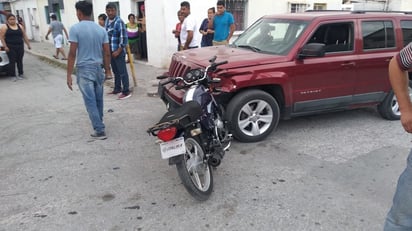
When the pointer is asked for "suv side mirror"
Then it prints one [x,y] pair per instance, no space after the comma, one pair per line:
[312,50]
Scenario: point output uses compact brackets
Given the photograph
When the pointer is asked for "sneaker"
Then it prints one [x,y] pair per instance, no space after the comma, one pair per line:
[20,76]
[14,79]
[125,96]
[99,135]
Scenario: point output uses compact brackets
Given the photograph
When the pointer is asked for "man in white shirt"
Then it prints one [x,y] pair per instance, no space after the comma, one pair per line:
[189,27]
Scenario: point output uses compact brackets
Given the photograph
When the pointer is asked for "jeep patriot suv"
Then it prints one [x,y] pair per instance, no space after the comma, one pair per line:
[292,65]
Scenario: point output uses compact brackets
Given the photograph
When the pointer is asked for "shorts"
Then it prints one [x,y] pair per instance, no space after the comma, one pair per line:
[58,41]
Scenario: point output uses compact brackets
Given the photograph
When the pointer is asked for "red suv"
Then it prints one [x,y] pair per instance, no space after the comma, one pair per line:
[292,65]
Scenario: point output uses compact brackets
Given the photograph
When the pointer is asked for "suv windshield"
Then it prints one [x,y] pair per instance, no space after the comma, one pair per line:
[274,36]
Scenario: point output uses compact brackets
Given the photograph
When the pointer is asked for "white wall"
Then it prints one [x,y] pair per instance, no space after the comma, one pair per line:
[24,5]
[161,43]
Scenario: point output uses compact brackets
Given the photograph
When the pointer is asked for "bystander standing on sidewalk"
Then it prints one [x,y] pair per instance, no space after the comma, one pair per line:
[13,36]
[223,25]
[88,42]
[189,28]
[102,19]
[57,28]
[116,30]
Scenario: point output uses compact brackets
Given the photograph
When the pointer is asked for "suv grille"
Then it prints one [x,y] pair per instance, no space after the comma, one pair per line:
[177,69]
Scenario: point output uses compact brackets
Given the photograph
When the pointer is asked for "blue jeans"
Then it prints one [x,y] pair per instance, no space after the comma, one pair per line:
[120,74]
[90,80]
[399,217]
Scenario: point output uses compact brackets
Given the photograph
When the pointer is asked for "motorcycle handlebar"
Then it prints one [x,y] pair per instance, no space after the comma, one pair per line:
[221,63]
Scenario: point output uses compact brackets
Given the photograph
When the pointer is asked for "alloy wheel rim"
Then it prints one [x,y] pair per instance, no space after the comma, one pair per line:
[255,117]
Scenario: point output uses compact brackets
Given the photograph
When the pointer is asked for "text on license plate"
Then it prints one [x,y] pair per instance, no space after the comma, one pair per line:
[172,148]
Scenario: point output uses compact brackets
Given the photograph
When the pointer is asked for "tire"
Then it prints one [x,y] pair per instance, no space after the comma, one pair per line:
[248,122]
[198,180]
[389,107]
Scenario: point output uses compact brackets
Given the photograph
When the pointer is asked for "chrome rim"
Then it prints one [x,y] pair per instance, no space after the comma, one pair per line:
[255,117]
[198,170]
[395,104]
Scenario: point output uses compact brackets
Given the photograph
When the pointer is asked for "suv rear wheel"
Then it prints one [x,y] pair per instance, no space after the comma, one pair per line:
[389,108]
[253,115]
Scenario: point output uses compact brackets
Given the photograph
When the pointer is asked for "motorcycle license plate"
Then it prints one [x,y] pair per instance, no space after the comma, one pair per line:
[172,148]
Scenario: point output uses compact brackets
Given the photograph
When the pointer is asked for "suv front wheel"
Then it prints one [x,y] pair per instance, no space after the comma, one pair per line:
[253,114]
[389,108]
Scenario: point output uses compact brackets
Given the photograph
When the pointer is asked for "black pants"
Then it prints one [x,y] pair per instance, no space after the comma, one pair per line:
[142,45]
[15,55]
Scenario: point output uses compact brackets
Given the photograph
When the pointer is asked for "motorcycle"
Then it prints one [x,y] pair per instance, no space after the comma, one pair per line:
[194,136]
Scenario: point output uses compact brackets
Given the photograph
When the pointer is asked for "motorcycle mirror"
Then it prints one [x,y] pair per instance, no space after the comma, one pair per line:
[213,59]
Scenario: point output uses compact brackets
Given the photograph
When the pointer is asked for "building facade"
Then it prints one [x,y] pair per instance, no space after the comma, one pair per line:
[161,16]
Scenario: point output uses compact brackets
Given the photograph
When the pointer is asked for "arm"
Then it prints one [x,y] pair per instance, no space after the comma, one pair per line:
[70,64]
[122,39]
[188,39]
[2,37]
[48,32]
[106,59]
[26,40]
[400,82]
[65,32]
[232,29]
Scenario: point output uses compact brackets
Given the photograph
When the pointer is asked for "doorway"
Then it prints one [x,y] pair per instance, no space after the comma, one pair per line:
[141,22]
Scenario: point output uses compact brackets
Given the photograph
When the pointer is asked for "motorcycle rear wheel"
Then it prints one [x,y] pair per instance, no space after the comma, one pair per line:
[195,173]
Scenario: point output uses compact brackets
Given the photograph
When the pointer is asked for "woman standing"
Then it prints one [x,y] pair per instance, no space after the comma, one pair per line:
[12,36]
[142,33]
[207,34]
[133,35]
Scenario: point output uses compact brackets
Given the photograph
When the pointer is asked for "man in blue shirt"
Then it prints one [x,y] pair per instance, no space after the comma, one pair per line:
[88,41]
[116,30]
[223,25]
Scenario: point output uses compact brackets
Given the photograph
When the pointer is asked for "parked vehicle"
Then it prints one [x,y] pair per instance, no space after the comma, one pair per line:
[4,59]
[291,65]
[194,136]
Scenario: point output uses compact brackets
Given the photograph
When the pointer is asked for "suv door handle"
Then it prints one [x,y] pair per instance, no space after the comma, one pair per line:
[347,64]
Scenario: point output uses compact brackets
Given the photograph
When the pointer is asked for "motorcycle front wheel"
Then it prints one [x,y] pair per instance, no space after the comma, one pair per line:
[194,171]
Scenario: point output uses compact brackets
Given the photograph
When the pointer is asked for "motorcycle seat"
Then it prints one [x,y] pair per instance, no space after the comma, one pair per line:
[189,109]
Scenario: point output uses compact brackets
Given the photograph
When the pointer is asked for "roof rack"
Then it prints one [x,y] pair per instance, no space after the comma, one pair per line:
[380,11]
[327,11]
[362,11]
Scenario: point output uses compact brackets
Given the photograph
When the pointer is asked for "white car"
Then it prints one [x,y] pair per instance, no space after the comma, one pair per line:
[4,59]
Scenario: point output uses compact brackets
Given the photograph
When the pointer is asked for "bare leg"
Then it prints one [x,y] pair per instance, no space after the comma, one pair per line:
[57,53]
[63,53]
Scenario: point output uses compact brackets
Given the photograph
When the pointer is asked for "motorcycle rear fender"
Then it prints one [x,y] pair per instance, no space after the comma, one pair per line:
[175,160]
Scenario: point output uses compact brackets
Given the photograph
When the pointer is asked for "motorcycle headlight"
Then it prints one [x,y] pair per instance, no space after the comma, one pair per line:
[194,75]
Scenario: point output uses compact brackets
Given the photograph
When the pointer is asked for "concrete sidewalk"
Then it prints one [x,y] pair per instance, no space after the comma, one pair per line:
[145,74]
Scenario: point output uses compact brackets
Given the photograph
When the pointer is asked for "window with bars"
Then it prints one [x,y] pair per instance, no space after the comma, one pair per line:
[319,6]
[238,9]
[297,7]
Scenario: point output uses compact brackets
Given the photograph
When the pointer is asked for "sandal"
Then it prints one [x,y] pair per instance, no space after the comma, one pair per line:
[54,56]
[64,58]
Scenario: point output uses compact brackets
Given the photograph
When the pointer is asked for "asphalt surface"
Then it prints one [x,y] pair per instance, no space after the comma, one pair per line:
[334,171]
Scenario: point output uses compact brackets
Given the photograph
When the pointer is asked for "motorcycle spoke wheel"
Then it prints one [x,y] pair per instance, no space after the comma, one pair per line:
[195,173]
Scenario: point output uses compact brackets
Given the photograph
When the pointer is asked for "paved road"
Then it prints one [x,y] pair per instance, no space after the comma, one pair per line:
[329,172]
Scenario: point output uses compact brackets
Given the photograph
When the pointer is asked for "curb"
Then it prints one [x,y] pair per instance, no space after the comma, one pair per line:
[151,90]
[47,59]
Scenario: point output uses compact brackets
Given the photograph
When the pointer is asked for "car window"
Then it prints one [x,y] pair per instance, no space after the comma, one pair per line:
[275,36]
[406,26]
[337,37]
[377,34]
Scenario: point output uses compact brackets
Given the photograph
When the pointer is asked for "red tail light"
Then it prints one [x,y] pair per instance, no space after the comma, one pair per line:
[167,134]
